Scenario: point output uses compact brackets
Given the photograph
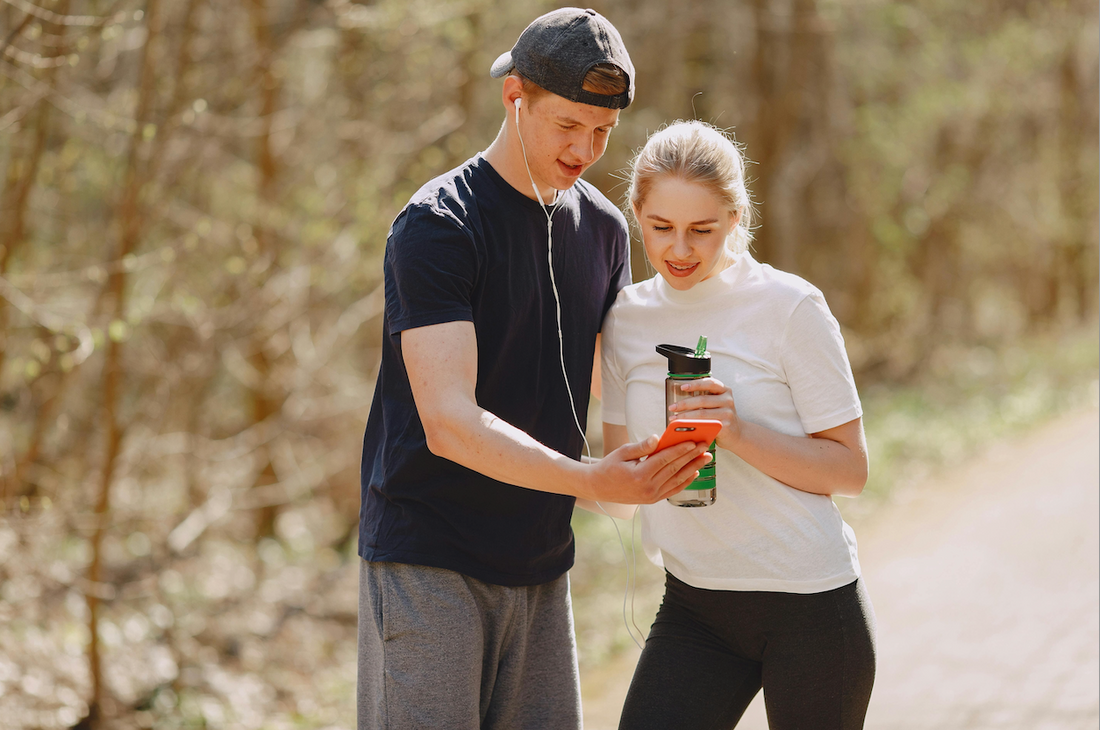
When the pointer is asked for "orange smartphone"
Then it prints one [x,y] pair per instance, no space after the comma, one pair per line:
[702,430]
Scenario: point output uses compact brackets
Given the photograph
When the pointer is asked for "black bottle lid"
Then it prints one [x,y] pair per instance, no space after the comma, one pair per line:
[685,361]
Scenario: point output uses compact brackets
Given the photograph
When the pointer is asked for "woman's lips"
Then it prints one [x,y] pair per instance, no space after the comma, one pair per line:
[681,270]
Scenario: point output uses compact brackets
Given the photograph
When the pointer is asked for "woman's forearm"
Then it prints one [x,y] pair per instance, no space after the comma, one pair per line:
[833,461]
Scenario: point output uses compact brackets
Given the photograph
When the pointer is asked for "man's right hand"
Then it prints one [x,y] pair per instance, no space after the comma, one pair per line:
[625,476]
[442,364]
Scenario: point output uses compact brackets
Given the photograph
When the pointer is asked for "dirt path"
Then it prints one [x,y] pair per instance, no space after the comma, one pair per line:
[986,586]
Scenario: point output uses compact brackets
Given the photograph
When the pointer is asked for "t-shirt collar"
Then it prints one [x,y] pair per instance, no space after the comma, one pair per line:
[510,192]
[708,287]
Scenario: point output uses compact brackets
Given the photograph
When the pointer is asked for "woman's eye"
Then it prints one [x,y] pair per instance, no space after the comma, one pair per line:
[702,231]
[662,229]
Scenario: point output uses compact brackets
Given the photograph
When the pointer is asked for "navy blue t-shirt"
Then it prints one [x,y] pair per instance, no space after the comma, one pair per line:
[470,247]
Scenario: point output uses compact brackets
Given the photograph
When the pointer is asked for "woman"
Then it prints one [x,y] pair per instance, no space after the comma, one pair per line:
[763,587]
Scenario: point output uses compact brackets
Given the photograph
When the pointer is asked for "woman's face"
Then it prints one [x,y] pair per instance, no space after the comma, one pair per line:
[684,229]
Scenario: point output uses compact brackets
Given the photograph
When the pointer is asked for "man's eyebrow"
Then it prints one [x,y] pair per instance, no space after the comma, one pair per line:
[571,120]
[708,221]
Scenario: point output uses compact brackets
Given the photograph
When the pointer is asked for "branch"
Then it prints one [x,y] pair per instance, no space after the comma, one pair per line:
[57,19]
[105,119]
[20,110]
[11,36]
[34,60]
[49,320]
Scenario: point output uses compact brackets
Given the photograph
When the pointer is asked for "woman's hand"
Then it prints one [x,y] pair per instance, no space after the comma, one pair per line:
[715,403]
[833,461]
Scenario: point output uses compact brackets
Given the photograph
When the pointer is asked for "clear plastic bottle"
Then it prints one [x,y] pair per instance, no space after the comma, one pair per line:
[685,364]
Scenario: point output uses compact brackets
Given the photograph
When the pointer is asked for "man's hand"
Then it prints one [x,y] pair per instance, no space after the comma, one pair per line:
[442,364]
[624,476]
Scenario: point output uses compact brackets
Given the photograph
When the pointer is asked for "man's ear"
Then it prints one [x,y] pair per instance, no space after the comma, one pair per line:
[512,90]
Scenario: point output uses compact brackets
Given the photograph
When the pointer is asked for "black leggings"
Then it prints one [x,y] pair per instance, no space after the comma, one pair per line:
[710,652]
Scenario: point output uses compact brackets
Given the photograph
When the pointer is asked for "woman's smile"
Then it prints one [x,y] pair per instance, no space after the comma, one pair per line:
[678,269]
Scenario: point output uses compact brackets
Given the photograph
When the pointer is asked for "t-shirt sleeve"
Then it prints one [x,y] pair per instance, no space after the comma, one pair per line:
[620,275]
[430,268]
[817,368]
[613,382]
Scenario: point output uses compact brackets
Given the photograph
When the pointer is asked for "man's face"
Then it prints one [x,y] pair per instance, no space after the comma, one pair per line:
[563,138]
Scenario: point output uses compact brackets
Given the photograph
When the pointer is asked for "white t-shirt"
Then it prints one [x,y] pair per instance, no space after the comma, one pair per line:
[775,343]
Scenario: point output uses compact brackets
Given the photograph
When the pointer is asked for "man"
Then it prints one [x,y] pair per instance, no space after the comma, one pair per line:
[471,457]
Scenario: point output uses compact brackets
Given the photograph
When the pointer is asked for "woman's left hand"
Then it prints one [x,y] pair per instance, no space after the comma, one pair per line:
[715,402]
[833,461]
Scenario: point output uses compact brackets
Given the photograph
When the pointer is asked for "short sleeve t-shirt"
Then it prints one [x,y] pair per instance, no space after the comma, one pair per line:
[470,247]
[774,342]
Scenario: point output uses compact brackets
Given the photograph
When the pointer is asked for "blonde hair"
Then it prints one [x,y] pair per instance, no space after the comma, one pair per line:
[695,152]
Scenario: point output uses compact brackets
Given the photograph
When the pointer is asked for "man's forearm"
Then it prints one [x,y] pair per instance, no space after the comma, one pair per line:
[486,443]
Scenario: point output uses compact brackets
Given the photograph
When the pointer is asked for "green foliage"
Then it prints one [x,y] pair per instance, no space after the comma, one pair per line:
[970,397]
[194,202]
[960,156]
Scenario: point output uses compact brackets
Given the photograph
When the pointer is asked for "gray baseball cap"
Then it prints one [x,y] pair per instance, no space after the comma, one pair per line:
[558,49]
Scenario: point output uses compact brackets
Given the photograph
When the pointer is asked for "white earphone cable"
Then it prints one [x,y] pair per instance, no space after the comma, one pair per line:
[631,572]
[553,282]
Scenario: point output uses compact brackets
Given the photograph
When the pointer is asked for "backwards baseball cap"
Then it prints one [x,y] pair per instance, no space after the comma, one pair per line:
[558,49]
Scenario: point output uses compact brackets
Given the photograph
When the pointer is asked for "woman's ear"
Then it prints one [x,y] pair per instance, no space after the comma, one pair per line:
[735,218]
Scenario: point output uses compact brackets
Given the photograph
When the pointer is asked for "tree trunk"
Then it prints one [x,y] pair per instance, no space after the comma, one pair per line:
[130,221]
[21,174]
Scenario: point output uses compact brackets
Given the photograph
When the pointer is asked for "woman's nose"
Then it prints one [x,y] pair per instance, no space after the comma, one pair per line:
[681,247]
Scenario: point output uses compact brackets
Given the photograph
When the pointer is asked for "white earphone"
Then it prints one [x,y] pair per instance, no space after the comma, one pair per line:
[550,263]
[518,103]
[561,353]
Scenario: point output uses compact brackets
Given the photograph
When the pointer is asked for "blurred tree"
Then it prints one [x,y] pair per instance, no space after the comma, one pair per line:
[195,200]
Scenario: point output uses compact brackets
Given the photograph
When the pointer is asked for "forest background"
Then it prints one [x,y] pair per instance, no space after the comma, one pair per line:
[195,199]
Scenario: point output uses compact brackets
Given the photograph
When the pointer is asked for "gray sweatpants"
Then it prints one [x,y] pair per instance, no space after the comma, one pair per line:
[438,649]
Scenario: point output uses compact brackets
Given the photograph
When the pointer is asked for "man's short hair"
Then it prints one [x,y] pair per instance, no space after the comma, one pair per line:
[602,78]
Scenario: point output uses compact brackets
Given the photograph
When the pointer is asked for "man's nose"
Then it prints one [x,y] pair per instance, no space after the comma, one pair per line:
[584,148]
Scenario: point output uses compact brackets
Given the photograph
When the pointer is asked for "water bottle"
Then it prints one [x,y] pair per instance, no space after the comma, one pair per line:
[684,365]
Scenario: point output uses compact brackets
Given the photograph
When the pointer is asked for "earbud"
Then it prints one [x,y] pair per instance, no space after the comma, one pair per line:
[517,103]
